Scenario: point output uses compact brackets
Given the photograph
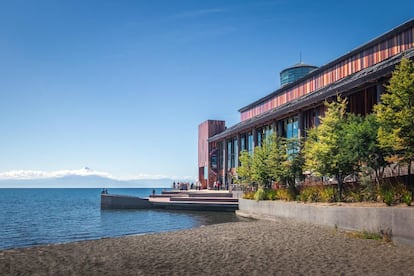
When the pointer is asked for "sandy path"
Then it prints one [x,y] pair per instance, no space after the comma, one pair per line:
[281,247]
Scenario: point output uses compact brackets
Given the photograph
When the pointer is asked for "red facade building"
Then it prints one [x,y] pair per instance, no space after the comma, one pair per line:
[359,75]
[207,153]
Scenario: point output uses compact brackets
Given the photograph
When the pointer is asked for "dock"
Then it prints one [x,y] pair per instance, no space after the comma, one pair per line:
[204,200]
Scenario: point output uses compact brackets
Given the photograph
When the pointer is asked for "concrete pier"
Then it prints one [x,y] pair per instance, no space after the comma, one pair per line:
[178,200]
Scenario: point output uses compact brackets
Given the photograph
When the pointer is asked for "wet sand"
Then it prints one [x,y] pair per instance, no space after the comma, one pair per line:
[258,247]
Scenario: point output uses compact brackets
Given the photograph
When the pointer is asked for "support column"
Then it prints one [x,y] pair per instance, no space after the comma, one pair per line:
[380,91]
[254,134]
[274,127]
[224,161]
[238,150]
[280,128]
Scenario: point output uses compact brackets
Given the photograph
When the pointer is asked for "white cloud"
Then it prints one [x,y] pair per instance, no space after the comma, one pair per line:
[157,176]
[33,174]
[36,174]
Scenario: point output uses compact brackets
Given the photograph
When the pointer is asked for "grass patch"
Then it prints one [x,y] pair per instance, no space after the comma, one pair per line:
[381,236]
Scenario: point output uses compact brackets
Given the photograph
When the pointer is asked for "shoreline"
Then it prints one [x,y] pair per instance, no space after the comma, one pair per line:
[279,246]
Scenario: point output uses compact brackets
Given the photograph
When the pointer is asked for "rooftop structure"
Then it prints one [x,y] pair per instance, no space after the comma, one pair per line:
[296,72]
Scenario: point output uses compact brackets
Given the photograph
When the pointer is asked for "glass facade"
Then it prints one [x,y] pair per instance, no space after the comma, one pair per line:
[250,143]
[229,153]
[221,157]
[268,131]
[243,144]
[260,137]
[294,73]
[291,127]
[235,153]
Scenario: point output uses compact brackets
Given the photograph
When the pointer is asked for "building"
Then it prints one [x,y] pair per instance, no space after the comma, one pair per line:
[359,75]
[207,154]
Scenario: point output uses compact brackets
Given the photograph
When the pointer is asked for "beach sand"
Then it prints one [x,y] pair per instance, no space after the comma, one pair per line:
[257,247]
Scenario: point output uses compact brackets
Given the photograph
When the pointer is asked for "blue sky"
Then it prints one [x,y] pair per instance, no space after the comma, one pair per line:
[121,86]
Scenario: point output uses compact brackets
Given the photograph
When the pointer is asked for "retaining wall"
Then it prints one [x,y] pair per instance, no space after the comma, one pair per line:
[399,221]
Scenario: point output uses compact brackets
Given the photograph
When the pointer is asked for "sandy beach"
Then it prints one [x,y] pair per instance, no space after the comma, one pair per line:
[257,247]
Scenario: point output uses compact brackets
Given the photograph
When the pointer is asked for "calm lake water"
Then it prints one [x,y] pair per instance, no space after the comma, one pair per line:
[42,216]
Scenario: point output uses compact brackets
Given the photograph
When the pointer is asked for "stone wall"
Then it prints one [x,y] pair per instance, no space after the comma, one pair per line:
[399,221]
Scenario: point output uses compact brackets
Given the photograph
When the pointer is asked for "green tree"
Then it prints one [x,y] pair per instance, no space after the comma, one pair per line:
[277,158]
[244,171]
[285,160]
[327,150]
[362,144]
[295,161]
[395,114]
[260,170]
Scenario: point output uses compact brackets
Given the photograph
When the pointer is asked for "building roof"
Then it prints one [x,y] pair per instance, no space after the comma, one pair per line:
[298,65]
[332,63]
[367,75]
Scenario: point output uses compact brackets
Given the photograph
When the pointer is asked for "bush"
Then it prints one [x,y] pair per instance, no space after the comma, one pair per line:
[368,189]
[388,197]
[318,194]
[282,194]
[327,194]
[395,193]
[271,194]
[260,194]
[354,196]
[407,198]
[248,195]
[310,194]
[293,192]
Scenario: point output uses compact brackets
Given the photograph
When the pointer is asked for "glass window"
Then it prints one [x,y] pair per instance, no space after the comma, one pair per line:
[250,143]
[268,131]
[220,153]
[229,154]
[235,153]
[292,127]
[259,137]
[243,143]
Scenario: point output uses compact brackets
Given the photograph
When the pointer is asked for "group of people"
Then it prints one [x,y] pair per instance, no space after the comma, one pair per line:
[186,186]
[218,186]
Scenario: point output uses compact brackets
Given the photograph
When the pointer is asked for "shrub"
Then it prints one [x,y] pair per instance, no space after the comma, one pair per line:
[282,194]
[354,196]
[292,192]
[271,194]
[368,189]
[309,194]
[407,197]
[395,193]
[388,197]
[260,194]
[327,194]
[248,195]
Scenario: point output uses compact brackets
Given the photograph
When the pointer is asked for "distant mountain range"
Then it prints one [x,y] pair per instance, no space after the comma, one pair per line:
[86,181]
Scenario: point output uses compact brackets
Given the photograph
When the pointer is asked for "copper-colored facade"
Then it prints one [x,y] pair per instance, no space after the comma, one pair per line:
[207,164]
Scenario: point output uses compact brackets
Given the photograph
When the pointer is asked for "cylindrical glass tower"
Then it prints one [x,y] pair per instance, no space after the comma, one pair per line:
[295,72]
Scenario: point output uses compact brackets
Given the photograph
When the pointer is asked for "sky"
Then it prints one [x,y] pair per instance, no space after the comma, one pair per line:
[121,86]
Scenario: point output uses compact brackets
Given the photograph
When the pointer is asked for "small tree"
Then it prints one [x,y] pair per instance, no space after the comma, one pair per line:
[361,139]
[277,158]
[244,171]
[395,114]
[259,169]
[285,160]
[327,150]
